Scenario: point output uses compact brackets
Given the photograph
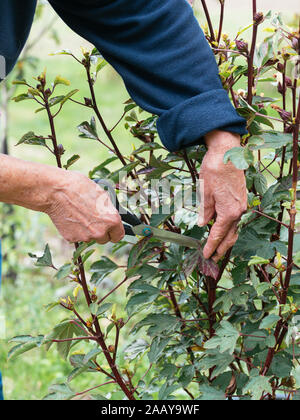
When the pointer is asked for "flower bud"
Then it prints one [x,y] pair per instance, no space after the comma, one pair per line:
[285,115]
[88,101]
[259,18]
[48,92]
[242,46]
[280,67]
[60,149]
[280,89]
[288,82]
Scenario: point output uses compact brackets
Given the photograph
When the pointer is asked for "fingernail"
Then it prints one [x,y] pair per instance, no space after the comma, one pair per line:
[216,258]
[201,221]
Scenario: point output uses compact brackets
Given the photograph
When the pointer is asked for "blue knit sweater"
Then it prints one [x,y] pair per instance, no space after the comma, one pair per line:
[158,49]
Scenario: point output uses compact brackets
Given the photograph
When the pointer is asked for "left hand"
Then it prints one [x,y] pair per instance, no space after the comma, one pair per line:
[225,194]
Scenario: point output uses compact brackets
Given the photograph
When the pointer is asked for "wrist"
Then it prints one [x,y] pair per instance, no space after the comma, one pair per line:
[27,184]
[220,141]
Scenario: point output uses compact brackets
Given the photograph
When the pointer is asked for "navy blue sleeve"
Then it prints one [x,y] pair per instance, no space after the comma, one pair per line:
[164,59]
[15,22]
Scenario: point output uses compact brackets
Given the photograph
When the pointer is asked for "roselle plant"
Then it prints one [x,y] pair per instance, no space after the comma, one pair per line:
[203,333]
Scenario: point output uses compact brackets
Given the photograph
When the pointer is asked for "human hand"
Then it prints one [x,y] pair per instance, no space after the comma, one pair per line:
[224,194]
[78,207]
[82,211]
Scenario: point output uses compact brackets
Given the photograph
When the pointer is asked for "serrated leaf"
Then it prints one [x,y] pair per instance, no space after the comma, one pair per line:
[32,139]
[241,157]
[269,322]
[26,343]
[101,269]
[210,393]
[45,260]
[88,130]
[66,329]
[257,386]
[225,338]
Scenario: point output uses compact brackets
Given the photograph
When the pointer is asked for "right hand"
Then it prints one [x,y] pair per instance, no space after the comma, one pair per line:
[225,194]
[82,211]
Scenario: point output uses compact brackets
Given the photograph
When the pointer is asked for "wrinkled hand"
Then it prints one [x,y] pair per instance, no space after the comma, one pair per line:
[82,211]
[224,194]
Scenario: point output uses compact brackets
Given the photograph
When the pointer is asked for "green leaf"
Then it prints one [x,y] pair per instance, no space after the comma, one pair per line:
[210,393]
[148,147]
[241,157]
[88,130]
[225,338]
[60,392]
[269,322]
[64,271]
[45,260]
[166,391]
[71,161]
[186,375]
[82,247]
[22,97]
[26,343]
[255,260]
[102,269]
[68,96]
[149,294]
[274,140]
[250,243]
[19,82]
[282,365]
[103,308]
[91,355]
[158,323]
[32,139]
[123,171]
[220,361]
[61,81]
[136,348]
[66,329]
[101,65]
[157,347]
[257,386]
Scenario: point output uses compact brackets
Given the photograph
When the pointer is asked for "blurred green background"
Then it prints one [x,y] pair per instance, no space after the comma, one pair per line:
[26,289]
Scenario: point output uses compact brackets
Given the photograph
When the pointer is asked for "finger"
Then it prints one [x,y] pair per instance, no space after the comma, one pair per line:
[103,239]
[116,233]
[227,243]
[217,234]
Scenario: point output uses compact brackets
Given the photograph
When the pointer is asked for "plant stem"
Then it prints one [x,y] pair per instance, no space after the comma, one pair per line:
[221,21]
[211,29]
[251,56]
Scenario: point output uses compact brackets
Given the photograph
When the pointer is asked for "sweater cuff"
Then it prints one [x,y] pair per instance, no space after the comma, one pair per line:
[187,123]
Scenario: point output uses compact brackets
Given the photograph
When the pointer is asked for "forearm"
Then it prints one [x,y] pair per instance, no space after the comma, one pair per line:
[26,184]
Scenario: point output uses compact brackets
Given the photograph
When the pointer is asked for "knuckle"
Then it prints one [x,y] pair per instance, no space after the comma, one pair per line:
[102,240]
[115,220]
[235,214]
